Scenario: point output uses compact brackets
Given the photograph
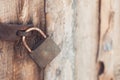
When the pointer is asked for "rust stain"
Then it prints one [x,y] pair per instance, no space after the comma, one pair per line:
[111,16]
[110,24]
[106,77]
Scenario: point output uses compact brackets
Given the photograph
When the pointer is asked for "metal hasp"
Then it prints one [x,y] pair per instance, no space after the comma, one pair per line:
[8,32]
[45,52]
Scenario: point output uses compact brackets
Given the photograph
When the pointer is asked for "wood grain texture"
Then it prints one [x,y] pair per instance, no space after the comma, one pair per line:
[110,39]
[86,39]
[60,24]
[6,56]
[75,26]
[6,48]
[14,66]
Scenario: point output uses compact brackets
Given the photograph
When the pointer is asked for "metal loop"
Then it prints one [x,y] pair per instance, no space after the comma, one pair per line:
[31,29]
[21,33]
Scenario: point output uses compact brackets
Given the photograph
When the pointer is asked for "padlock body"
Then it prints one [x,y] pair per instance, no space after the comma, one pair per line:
[45,53]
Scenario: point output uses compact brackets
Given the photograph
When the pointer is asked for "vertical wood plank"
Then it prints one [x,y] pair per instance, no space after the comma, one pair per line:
[6,56]
[110,40]
[7,14]
[86,39]
[32,11]
[60,24]
[12,65]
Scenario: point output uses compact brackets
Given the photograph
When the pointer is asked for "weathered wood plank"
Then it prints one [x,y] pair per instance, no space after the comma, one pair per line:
[60,25]
[12,65]
[6,56]
[86,39]
[7,14]
[110,40]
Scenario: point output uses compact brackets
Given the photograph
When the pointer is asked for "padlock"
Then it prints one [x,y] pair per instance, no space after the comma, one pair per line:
[45,52]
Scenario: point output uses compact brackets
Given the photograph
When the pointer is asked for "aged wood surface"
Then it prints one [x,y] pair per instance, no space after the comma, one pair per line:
[14,66]
[60,22]
[110,40]
[87,31]
[86,39]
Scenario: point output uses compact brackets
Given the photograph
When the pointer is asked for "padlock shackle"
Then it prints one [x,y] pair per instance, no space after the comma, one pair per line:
[32,29]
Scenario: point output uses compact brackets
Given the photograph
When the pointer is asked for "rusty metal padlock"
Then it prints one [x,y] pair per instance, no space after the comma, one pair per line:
[45,52]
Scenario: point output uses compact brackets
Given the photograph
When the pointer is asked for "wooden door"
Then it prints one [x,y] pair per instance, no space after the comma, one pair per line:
[87,31]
